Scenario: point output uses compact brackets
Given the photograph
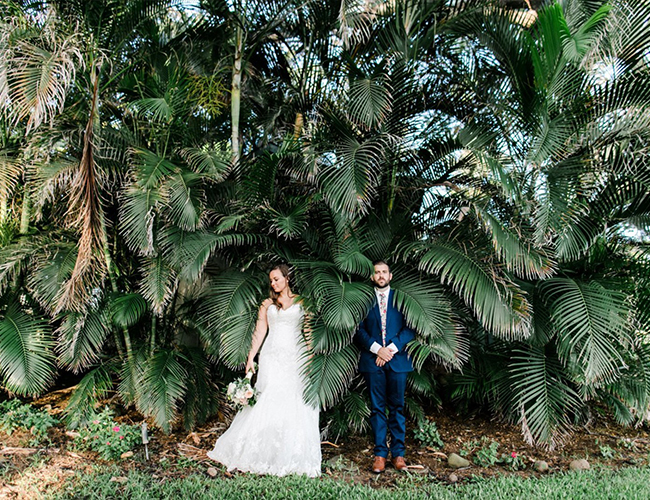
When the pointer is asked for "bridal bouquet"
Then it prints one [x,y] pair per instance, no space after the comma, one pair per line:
[241,392]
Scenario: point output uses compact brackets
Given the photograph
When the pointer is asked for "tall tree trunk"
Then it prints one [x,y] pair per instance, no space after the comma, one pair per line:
[235,93]
[26,211]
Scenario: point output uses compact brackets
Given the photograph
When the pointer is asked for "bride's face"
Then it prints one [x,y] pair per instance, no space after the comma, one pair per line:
[278,281]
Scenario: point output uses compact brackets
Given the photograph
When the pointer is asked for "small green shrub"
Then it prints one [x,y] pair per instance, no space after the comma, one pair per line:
[468,447]
[15,414]
[487,455]
[513,460]
[427,434]
[106,437]
[607,452]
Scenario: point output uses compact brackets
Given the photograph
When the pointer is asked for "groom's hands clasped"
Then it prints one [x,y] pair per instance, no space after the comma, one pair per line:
[384,355]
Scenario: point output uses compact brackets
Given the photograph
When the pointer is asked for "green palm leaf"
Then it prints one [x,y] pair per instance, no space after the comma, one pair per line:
[500,306]
[543,396]
[329,375]
[370,101]
[53,267]
[94,386]
[81,338]
[158,283]
[127,309]
[162,387]
[350,181]
[592,324]
[228,314]
[26,352]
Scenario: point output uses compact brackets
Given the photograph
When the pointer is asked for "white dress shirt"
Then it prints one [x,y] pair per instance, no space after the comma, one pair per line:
[374,348]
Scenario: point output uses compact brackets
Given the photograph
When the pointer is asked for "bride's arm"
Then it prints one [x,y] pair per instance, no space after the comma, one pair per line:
[261,327]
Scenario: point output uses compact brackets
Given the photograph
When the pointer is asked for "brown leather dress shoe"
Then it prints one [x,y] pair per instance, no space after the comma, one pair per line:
[399,463]
[379,465]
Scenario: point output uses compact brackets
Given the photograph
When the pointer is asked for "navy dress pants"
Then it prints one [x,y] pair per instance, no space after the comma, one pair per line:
[387,390]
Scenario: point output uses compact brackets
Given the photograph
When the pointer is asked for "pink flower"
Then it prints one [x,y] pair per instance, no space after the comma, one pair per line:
[107,443]
[121,437]
[95,422]
[116,429]
[513,454]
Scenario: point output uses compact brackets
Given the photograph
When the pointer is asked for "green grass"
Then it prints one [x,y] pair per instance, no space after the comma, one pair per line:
[633,483]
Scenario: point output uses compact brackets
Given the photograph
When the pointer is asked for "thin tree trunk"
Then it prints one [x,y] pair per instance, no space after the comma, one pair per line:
[4,210]
[235,94]
[297,125]
[26,211]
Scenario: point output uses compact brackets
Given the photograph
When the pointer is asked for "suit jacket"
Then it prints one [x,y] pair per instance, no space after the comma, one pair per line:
[397,332]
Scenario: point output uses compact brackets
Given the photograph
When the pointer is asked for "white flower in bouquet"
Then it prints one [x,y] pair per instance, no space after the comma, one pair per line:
[241,392]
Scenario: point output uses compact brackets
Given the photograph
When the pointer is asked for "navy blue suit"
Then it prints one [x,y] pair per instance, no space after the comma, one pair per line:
[386,384]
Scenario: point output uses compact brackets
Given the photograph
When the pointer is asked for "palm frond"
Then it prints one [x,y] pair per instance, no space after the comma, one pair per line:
[81,337]
[127,309]
[521,259]
[592,324]
[162,387]
[370,101]
[93,387]
[158,283]
[500,306]
[210,162]
[428,311]
[329,375]
[228,314]
[349,182]
[544,398]
[26,352]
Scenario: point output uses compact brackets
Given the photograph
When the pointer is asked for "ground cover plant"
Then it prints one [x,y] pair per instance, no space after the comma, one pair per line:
[598,484]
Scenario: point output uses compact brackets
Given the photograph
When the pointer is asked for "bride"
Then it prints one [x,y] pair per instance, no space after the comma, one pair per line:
[278,435]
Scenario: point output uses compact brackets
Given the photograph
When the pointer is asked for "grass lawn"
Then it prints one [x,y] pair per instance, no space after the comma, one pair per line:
[601,483]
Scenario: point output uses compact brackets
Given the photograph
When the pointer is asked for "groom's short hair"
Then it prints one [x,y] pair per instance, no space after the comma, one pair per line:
[381,262]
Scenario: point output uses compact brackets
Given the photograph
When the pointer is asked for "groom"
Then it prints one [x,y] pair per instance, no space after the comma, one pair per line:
[382,337]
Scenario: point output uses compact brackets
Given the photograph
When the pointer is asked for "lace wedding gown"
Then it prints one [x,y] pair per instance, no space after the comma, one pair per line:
[278,435]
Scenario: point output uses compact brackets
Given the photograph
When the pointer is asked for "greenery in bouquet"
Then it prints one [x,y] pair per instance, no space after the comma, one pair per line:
[108,438]
[241,391]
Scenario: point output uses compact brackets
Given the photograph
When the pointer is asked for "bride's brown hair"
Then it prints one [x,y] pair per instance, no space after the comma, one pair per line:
[286,272]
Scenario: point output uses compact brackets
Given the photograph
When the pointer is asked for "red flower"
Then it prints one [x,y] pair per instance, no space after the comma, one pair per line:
[116,429]
[121,437]
[513,454]
[107,443]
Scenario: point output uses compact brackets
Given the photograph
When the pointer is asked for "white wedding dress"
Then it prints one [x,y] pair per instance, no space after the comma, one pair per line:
[278,435]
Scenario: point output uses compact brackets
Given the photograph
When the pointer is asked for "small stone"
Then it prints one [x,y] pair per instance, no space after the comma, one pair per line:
[212,472]
[456,461]
[119,479]
[72,434]
[541,466]
[126,454]
[581,464]
[453,478]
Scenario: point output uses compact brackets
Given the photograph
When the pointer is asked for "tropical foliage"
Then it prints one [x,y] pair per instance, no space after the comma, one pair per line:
[156,159]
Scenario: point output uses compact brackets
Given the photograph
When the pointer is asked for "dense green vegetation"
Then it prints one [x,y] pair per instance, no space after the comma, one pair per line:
[155,160]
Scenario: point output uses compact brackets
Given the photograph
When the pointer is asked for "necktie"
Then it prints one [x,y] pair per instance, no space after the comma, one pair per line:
[383,308]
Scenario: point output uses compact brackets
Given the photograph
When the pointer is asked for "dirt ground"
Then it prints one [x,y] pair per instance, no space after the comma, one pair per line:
[25,472]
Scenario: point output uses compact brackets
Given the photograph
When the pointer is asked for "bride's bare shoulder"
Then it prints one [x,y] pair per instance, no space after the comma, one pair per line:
[266,304]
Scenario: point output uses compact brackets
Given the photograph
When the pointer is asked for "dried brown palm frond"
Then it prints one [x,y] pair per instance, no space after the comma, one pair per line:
[38,64]
[85,206]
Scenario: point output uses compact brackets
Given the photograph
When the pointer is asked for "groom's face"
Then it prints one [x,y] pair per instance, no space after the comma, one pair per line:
[382,275]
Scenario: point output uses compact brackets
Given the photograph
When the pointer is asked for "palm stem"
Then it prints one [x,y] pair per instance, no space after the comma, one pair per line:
[26,211]
[235,94]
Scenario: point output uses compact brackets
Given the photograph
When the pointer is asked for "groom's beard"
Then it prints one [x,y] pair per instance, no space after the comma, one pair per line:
[383,287]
